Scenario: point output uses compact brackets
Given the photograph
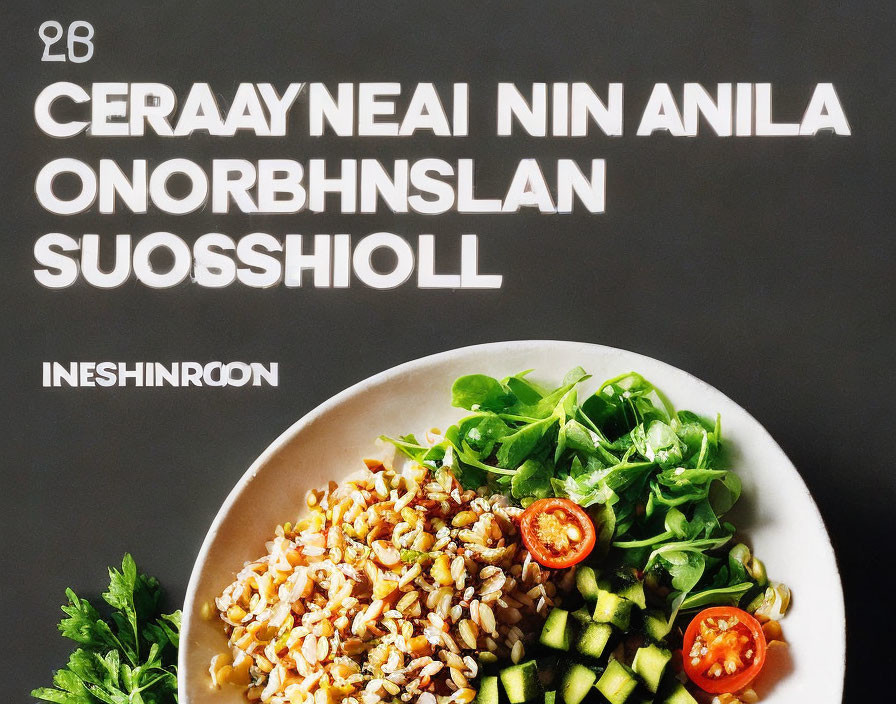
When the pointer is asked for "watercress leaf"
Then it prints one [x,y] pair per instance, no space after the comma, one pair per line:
[659,497]
[567,406]
[691,418]
[470,452]
[723,596]
[552,403]
[407,445]
[588,423]
[704,454]
[646,542]
[168,683]
[622,475]
[531,479]
[658,443]
[469,476]
[435,456]
[704,523]
[718,576]
[577,469]
[737,570]
[467,456]
[561,444]
[600,409]
[580,438]
[695,546]
[724,493]
[683,478]
[574,376]
[153,658]
[481,391]
[638,438]
[633,397]
[677,524]
[516,447]
[528,393]
[630,382]
[484,430]
[685,567]
[583,492]
[623,444]
[692,434]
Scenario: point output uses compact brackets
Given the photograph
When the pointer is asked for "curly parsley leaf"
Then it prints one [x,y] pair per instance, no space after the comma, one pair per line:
[129,657]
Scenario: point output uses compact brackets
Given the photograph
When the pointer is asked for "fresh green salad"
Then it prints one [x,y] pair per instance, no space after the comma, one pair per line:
[657,543]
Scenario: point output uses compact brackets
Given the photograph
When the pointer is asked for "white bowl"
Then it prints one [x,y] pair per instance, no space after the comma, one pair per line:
[776,511]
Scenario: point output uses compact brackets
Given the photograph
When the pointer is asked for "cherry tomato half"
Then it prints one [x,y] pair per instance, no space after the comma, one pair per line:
[557,532]
[723,649]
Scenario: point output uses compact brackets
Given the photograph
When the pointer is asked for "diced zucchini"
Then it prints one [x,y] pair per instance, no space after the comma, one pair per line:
[617,682]
[650,663]
[555,633]
[582,615]
[586,582]
[521,682]
[488,690]
[593,639]
[656,626]
[612,608]
[576,684]
[634,591]
[678,695]
[550,697]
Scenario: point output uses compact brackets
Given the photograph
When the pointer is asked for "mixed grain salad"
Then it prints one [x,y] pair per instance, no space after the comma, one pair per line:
[540,550]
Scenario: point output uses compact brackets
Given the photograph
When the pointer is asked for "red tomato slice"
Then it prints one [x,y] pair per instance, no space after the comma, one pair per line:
[723,649]
[557,532]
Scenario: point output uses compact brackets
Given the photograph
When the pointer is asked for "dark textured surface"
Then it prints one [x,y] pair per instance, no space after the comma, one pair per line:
[764,266]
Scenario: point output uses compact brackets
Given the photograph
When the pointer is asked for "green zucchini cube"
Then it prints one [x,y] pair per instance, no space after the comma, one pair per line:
[576,684]
[617,683]
[612,608]
[650,664]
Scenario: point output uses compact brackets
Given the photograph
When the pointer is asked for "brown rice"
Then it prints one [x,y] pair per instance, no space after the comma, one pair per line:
[390,588]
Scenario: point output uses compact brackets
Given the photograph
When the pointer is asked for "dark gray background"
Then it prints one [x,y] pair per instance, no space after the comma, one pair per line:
[764,266]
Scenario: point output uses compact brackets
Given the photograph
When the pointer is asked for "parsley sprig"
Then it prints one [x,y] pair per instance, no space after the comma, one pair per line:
[129,658]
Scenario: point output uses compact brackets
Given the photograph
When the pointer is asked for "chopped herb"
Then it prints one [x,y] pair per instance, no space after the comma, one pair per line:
[129,658]
[411,556]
